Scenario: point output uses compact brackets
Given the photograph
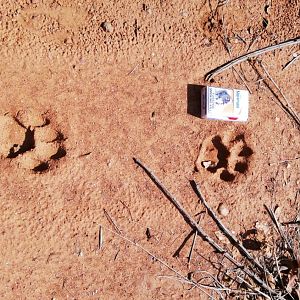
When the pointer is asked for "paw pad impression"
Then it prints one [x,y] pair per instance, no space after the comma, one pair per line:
[30,139]
[228,157]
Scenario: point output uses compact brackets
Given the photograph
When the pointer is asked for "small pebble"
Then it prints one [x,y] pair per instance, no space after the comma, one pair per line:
[221,237]
[109,163]
[107,27]
[267,9]
[147,9]
[208,164]
[223,210]
[184,13]
[277,119]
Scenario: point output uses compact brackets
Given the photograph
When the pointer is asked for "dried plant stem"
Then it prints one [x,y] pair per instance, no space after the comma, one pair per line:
[193,245]
[100,238]
[284,161]
[112,222]
[249,55]
[282,104]
[293,112]
[234,241]
[243,79]
[291,62]
[280,231]
[182,277]
[200,231]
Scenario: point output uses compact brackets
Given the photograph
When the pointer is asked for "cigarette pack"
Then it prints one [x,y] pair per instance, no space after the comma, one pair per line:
[224,104]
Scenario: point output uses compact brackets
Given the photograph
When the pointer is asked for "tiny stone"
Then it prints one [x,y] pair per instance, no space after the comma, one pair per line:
[109,163]
[68,40]
[267,9]
[147,9]
[107,27]
[184,14]
[208,164]
[223,210]
[277,119]
[221,237]
[263,227]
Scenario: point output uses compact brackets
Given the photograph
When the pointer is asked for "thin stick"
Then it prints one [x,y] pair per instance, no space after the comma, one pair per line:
[177,252]
[159,260]
[112,222]
[128,209]
[277,267]
[291,61]
[243,80]
[192,248]
[280,91]
[279,102]
[193,245]
[200,231]
[234,241]
[252,54]
[100,238]
[284,161]
[133,70]
[280,230]
[254,290]
[209,287]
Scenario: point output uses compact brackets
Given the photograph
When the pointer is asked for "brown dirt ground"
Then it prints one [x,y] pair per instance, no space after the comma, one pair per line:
[116,95]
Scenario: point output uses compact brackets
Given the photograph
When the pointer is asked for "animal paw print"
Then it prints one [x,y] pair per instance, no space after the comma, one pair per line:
[29,139]
[228,157]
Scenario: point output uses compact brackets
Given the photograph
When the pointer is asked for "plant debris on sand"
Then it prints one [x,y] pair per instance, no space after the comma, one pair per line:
[270,271]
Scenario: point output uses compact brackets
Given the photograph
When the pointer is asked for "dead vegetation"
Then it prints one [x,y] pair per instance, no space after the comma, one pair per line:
[263,263]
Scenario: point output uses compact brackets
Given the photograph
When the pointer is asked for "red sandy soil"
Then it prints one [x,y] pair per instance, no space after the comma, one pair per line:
[109,96]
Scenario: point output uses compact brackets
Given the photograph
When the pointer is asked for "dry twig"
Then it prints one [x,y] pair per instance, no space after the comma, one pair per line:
[112,222]
[135,67]
[284,161]
[182,277]
[201,232]
[100,238]
[286,107]
[252,54]
[243,79]
[291,61]
[293,112]
[128,209]
[280,231]
[193,245]
[234,241]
